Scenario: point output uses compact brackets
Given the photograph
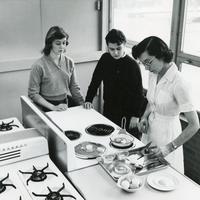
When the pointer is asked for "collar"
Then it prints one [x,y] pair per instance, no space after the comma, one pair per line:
[124,55]
[171,72]
[52,61]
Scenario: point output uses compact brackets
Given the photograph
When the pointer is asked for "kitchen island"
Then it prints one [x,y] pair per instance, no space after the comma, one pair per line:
[92,180]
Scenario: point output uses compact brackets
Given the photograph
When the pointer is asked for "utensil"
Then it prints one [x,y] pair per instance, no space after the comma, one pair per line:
[122,139]
[146,148]
[123,126]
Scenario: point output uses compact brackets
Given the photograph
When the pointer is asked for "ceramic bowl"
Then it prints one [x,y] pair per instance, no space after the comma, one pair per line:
[130,182]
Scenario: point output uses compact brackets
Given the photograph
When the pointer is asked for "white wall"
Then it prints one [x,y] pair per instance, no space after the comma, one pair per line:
[24,24]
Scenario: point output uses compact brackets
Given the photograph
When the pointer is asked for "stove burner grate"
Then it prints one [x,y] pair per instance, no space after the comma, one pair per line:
[3,186]
[38,175]
[99,129]
[7,126]
[72,135]
[54,195]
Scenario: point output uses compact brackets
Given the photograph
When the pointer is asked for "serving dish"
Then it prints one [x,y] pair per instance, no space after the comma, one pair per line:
[89,150]
[129,159]
[118,169]
[130,182]
[122,140]
[162,181]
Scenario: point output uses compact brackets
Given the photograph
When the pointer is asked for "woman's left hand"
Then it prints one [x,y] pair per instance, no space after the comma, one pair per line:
[155,151]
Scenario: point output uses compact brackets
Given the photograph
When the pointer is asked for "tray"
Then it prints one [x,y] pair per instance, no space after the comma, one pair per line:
[128,165]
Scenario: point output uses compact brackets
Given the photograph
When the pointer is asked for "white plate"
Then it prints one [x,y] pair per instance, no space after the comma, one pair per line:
[162,181]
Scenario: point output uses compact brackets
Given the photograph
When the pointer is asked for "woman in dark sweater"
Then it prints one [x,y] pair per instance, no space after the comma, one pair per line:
[122,83]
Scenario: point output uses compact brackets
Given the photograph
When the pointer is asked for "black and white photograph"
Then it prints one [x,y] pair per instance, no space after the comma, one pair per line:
[99,99]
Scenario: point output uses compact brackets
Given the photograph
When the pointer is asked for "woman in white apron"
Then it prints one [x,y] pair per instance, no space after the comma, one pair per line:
[168,96]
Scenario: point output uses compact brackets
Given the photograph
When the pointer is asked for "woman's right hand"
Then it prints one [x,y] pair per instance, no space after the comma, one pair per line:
[143,125]
[88,105]
[60,107]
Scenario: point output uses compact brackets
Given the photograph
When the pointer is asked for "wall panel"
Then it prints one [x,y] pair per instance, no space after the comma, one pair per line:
[24,24]
[20,29]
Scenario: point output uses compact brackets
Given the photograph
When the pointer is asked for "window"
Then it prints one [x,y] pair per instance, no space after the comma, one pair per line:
[142,18]
[177,22]
[192,28]
[189,71]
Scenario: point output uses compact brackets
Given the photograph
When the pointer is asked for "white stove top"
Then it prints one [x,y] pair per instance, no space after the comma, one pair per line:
[14,125]
[19,185]
[25,189]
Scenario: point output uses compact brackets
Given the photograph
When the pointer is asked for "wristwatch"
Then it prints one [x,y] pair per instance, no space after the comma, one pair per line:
[174,146]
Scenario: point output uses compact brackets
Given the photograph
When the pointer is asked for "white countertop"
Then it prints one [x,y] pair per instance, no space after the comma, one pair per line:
[92,179]
[96,184]
[78,119]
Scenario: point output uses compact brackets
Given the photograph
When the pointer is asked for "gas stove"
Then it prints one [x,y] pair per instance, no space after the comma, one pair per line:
[28,173]
[10,125]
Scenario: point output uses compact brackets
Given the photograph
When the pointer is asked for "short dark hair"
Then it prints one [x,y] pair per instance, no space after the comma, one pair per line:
[55,32]
[155,47]
[115,36]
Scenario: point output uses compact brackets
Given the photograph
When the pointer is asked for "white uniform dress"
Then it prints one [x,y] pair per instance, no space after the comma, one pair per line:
[168,98]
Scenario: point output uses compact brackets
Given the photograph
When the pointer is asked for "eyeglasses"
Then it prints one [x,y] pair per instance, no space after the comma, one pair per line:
[148,61]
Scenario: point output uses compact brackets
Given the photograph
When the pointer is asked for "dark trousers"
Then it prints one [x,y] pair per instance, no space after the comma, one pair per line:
[115,115]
